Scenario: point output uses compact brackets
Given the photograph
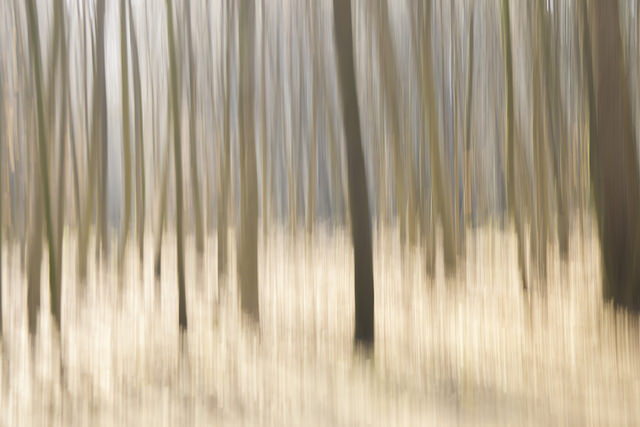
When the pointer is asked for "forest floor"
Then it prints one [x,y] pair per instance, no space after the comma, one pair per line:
[468,350]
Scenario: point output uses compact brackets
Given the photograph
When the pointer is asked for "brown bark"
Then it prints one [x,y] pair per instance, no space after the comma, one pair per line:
[358,197]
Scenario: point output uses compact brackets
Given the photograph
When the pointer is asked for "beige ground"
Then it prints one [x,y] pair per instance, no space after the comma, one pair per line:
[470,350]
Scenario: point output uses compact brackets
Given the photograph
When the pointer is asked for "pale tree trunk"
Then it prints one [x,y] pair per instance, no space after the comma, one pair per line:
[313,157]
[248,244]
[225,163]
[34,43]
[557,143]
[539,227]
[513,207]
[358,197]
[126,133]
[97,142]
[100,85]
[177,158]
[337,184]
[139,138]
[469,104]
[390,86]
[193,160]
[62,167]
[425,204]
[266,187]
[76,173]
[459,225]
[438,177]
[612,152]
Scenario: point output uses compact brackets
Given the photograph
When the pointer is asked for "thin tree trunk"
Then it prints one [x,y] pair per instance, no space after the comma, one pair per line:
[34,43]
[358,197]
[96,143]
[266,188]
[34,253]
[311,214]
[74,161]
[442,199]
[467,151]
[104,135]
[512,205]
[248,247]
[162,205]
[539,230]
[139,138]
[557,144]
[225,164]
[126,133]
[62,167]
[177,158]
[193,160]
[391,84]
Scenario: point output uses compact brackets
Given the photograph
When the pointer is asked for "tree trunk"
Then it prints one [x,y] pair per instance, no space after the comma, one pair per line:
[97,142]
[390,86]
[539,227]
[177,158]
[614,165]
[34,43]
[34,254]
[225,167]
[193,160]
[126,133]
[358,197]
[139,139]
[62,167]
[467,151]
[162,205]
[513,208]
[557,143]
[266,188]
[104,137]
[248,245]
[438,177]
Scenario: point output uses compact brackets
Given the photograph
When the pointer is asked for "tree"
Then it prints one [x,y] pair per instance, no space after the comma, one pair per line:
[140,167]
[97,148]
[467,151]
[513,207]
[197,205]
[615,179]
[358,197]
[34,47]
[225,174]
[248,244]
[177,158]
[126,133]
[438,177]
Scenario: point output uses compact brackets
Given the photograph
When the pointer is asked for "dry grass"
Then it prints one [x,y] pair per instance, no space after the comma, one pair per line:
[467,350]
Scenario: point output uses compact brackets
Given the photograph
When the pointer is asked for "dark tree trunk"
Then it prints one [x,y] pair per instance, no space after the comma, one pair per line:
[177,158]
[614,165]
[248,243]
[358,197]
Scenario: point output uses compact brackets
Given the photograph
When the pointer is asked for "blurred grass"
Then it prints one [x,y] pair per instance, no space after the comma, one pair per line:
[473,349]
